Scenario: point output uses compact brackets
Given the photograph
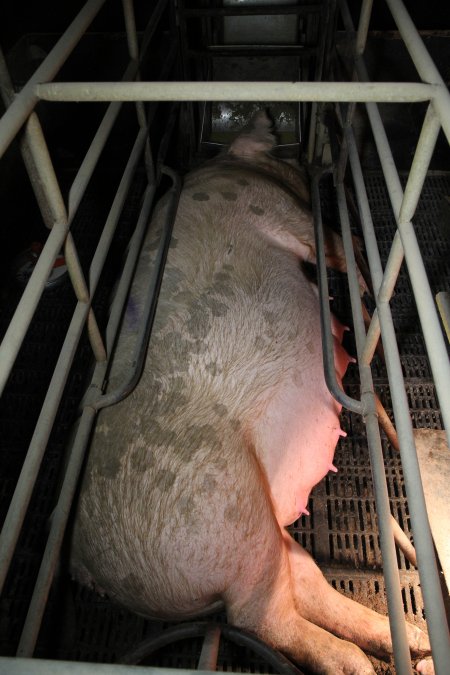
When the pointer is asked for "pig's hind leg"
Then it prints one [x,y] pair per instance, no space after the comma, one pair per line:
[260,590]
[321,604]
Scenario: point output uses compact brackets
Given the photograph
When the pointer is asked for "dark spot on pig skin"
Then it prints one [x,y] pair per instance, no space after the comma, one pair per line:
[209,484]
[132,585]
[257,210]
[231,513]
[164,479]
[213,369]
[200,197]
[173,242]
[235,424]
[220,409]
[108,464]
[242,181]
[221,276]
[228,268]
[229,196]
[141,460]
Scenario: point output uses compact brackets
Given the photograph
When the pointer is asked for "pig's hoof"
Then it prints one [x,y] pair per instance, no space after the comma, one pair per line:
[419,643]
[349,660]
[425,667]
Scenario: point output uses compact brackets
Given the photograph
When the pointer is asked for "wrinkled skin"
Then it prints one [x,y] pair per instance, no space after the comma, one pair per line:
[191,480]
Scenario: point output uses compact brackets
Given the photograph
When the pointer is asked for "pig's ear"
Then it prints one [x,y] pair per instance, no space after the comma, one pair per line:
[259,138]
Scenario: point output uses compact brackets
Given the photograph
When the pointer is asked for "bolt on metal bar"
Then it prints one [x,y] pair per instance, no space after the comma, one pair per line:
[24,102]
[390,569]
[221,91]
[22,494]
[325,314]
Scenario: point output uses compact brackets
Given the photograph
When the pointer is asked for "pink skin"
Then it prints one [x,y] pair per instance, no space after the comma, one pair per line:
[229,428]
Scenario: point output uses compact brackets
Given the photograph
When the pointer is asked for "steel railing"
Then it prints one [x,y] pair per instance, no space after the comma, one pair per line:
[58,218]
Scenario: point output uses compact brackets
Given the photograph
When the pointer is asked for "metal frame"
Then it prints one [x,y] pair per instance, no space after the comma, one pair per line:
[59,217]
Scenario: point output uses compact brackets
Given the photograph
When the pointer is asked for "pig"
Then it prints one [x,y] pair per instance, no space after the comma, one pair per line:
[192,479]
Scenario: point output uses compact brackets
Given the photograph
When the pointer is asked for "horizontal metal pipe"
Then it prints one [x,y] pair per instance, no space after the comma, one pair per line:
[25,101]
[22,666]
[248,10]
[222,91]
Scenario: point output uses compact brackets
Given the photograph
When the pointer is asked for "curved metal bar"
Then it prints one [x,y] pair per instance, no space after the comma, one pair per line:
[198,628]
[151,301]
[325,314]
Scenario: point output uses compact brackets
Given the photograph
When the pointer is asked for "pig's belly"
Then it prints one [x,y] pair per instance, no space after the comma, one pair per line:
[296,438]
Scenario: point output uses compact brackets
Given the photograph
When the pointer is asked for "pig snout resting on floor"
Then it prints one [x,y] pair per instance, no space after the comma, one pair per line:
[191,480]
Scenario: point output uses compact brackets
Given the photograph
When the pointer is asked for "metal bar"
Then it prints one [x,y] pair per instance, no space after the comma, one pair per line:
[36,158]
[325,314]
[91,158]
[21,666]
[390,569]
[247,10]
[22,495]
[59,521]
[422,535]
[210,649]
[421,162]
[221,91]
[429,320]
[154,284]
[363,26]
[24,102]
[18,326]
[133,50]
[48,194]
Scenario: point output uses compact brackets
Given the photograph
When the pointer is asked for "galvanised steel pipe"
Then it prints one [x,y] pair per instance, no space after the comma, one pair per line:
[94,151]
[24,102]
[325,313]
[390,569]
[421,529]
[18,325]
[24,488]
[59,520]
[434,340]
[422,60]
[388,92]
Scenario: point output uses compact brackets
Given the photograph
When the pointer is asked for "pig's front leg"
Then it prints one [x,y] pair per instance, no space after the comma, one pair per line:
[321,604]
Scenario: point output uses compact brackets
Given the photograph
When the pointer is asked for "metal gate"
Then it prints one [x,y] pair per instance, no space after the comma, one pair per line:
[330,149]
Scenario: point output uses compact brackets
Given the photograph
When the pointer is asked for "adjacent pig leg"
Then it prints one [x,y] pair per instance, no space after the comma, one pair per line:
[321,604]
